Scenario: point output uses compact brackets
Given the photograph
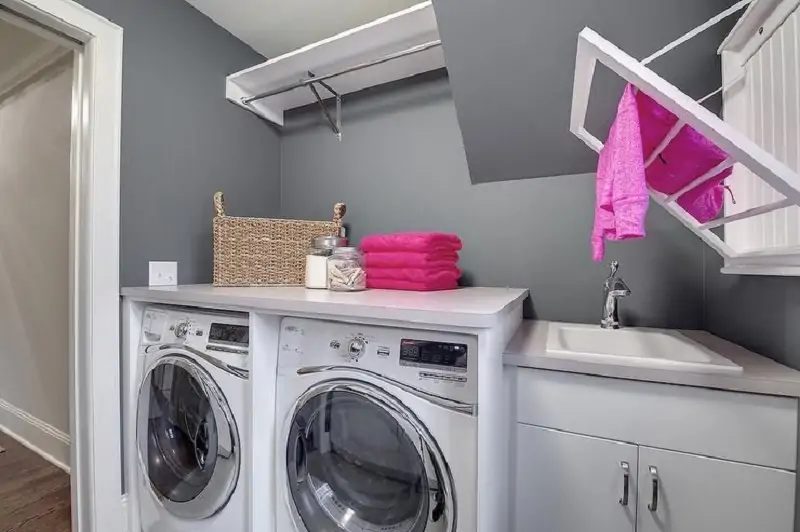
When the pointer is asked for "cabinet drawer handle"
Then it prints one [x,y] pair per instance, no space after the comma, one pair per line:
[653,506]
[626,482]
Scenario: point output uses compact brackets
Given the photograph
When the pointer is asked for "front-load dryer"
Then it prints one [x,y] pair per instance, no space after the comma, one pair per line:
[192,422]
[379,429]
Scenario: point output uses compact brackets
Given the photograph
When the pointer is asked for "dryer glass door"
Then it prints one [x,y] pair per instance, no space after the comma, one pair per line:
[359,461]
[187,438]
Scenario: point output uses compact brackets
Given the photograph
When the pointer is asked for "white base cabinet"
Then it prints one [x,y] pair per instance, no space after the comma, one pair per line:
[602,473]
[574,483]
[696,493]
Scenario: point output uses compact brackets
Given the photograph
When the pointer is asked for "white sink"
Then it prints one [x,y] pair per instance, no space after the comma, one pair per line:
[637,347]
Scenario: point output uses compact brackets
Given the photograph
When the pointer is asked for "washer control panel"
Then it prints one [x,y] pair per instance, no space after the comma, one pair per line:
[439,362]
[219,333]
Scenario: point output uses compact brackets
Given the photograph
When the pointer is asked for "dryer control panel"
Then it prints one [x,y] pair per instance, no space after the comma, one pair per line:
[439,362]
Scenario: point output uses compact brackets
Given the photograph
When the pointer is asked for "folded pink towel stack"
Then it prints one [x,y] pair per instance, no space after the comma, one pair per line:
[414,242]
[428,286]
[412,261]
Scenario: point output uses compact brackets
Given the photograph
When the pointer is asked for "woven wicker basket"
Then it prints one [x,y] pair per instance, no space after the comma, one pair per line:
[265,251]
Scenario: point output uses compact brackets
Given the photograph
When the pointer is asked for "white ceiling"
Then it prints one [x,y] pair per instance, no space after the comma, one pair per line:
[15,45]
[274,27]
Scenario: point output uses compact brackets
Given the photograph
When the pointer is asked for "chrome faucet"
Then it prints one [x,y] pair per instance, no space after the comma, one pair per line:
[613,289]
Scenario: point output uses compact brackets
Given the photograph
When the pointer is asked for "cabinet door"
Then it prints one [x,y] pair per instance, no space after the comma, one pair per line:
[571,483]
[695,493]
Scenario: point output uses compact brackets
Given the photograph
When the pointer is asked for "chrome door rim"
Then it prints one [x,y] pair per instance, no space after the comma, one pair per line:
[217,493]
[395,407]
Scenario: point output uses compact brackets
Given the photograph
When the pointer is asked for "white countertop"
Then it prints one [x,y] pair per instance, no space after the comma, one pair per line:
[465,307]
[760,374]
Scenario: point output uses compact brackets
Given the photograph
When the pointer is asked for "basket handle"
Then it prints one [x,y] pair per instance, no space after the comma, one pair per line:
[219,204]
[339,210]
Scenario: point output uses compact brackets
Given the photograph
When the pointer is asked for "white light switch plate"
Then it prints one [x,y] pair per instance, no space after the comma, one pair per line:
[163,273]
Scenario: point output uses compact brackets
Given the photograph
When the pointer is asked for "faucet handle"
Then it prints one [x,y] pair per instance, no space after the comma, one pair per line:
[619,288]
[616,286]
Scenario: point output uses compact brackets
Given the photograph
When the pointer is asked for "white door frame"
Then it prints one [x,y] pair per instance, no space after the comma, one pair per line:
[96,468]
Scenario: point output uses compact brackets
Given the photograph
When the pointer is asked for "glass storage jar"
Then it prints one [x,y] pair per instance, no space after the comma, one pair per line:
[346,270]
[317,260]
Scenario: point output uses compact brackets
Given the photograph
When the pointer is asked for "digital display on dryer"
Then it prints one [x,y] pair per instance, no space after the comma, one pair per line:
[229,334]
[421,352]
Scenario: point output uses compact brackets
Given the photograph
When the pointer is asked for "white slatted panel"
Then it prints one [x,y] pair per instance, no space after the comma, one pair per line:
[781,128]
[791,46]
[771,119]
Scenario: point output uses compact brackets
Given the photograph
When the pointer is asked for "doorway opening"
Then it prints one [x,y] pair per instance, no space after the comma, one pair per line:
[36,87]
[60,96]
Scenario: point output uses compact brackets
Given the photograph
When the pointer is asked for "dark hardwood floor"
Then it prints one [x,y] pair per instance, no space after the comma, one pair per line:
[34,494]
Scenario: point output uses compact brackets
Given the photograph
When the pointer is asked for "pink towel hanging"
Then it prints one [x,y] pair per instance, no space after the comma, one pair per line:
[623,176]
[687,157]
[622,199]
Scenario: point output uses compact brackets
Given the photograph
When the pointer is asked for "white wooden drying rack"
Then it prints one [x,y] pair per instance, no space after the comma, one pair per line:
[593,48]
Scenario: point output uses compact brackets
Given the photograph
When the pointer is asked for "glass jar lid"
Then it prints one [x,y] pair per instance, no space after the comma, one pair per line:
[328,242]
[345,250]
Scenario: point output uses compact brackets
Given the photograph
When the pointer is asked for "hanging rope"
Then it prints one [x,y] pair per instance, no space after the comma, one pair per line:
[698,30]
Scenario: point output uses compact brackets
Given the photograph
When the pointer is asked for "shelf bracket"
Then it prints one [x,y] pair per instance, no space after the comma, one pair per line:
[336,125]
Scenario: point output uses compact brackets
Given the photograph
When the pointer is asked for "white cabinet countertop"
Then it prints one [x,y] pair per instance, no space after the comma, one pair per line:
[465,307]
[759,374]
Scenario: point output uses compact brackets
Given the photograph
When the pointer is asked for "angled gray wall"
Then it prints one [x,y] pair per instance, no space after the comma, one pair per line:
[181,140]
[511,64]
[401,166]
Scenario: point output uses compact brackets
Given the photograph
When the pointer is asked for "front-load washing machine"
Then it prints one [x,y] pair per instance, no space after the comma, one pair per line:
[379,429]
[191,421]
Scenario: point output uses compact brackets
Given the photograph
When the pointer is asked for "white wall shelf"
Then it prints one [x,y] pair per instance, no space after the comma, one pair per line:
[393,34]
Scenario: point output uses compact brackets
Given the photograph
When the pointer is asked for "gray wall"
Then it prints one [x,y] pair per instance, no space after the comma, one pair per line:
[760,313]
[401,166]
[181,140]
[512,65]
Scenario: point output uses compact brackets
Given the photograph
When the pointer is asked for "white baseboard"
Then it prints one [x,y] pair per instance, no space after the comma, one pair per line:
[42,438]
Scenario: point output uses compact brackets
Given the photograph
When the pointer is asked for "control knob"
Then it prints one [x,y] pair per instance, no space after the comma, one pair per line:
[356,347]
[182,329]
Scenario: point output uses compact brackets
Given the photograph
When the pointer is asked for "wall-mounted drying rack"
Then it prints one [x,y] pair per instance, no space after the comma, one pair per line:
[390,48]
[593,48]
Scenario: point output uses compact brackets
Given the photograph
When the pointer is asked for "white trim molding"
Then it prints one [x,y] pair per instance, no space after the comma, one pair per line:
[94,235]
[40,437]
[126,507]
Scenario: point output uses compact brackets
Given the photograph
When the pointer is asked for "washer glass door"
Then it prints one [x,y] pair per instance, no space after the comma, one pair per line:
[187,438]
[359,461]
